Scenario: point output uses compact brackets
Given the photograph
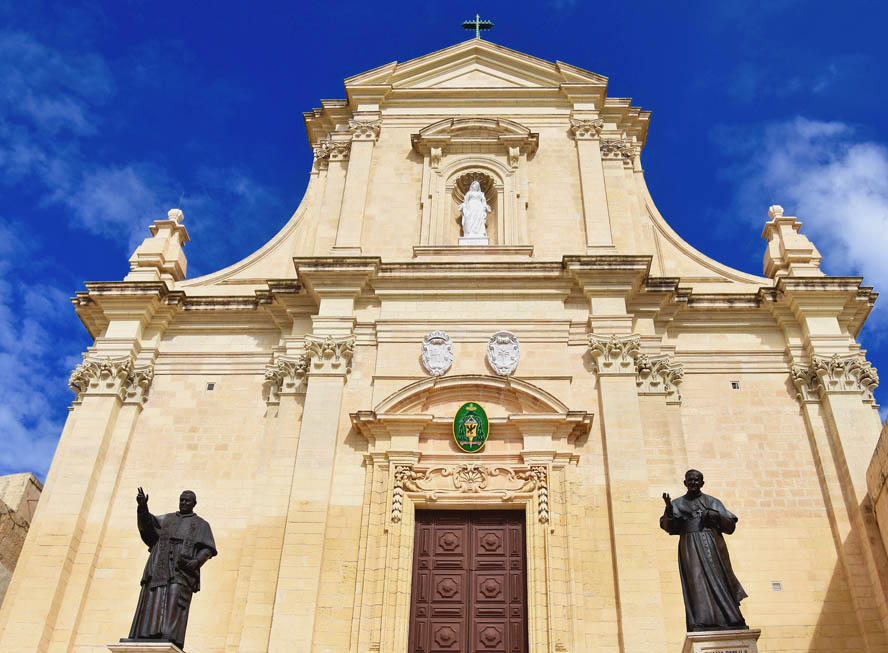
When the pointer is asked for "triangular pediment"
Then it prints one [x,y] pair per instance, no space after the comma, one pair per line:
[475,64]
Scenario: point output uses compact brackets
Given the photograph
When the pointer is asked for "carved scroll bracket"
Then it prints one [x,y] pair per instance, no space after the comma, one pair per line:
[659,375]
[835,374]
[107,376]
[286,376]
[614,354]
[470,480]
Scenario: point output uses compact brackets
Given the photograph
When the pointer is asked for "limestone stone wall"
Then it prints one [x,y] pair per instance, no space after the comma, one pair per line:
[19,494]
[288,392]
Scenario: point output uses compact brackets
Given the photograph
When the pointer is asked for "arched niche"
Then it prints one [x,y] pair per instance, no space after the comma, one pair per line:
[523,418]
[494,147]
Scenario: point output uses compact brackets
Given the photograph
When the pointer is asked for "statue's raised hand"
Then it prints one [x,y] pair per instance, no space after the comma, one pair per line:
[668,501]
[142,499]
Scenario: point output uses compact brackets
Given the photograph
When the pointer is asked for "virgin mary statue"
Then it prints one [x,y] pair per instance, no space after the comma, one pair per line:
[474,211]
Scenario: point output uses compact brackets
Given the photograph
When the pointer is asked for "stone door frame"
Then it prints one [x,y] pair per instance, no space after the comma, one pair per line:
[400,479]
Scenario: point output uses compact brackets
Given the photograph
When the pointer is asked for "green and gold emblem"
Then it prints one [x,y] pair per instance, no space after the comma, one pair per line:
[470,427]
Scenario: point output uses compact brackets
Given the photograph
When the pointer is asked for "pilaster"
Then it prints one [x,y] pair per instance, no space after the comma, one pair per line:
[295,606]
[364,134]
[586,130]
[332,157]
[619,157]
[64,541]
[111,386]
[834,385]
[632,511]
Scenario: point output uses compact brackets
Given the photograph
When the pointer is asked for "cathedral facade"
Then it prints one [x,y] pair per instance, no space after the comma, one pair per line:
[438,410]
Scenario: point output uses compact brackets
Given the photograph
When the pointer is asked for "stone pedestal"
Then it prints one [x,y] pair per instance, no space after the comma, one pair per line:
[473,240]
[722,641]
[144,647]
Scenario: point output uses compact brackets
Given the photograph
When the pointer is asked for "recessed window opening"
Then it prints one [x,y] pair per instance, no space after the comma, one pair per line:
[735,385]
[211,387]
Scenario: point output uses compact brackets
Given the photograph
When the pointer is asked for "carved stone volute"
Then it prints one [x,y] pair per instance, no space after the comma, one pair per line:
[614,354]
[659,375]
[286,376]
[835,374]
[364,130]
[586,129]
[107,376]
[329,354]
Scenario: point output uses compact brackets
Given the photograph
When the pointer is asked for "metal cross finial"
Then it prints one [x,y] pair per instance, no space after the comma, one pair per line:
[477,25]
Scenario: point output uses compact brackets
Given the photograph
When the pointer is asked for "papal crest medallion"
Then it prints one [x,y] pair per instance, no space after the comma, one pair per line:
[437,352]
[470,427]
[503,351]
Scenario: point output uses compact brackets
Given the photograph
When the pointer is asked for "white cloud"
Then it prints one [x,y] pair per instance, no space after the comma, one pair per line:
[34,363]
[835,182]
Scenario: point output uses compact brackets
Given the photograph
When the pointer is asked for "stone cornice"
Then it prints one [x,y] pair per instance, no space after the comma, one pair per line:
[106,376]
[851,374]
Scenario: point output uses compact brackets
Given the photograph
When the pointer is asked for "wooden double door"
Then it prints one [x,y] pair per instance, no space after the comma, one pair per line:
[469,591]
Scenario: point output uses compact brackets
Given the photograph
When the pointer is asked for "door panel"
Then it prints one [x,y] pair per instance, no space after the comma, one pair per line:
[469,591]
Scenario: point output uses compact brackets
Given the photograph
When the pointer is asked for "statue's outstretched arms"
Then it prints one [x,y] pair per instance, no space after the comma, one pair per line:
[667,521]
[149,527]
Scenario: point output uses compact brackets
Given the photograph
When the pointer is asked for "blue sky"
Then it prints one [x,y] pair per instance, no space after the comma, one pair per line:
[112,114]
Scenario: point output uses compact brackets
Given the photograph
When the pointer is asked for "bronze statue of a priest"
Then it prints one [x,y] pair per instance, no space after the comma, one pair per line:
[712,593]
[179,544]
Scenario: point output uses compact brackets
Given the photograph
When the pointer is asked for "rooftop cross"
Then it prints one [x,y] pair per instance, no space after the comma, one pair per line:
[477,25]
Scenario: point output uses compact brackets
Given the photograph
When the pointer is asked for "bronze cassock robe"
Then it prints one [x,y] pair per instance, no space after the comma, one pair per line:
[712,593]
[172,539]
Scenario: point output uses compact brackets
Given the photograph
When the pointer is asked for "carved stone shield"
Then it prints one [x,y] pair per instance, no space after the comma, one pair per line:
[437,352]
[503,350]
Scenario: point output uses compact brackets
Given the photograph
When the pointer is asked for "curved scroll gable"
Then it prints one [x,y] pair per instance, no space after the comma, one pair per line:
[686,255]
[498,394]
[273,260]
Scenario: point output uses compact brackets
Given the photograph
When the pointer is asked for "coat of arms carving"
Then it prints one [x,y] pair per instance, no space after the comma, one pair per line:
[503,351]
[437,352]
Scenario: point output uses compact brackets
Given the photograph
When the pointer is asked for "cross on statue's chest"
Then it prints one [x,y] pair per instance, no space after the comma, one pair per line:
[477,25]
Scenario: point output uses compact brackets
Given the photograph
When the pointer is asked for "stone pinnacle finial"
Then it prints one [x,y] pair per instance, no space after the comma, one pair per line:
[775,211]
[160,257]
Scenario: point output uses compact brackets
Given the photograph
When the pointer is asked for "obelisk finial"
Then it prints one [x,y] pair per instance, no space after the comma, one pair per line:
[477,25]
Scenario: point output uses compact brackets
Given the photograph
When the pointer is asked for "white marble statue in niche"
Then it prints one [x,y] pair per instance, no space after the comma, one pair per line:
[474,210]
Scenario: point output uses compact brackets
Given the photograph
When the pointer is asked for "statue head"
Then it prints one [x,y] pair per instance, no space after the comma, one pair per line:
[475,186]
[187,501]
[693,481]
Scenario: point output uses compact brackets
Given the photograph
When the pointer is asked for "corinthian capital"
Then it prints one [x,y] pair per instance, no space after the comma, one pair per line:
[286,376]
[835,374]
[328,150]
[364,130]
[659,375]
[614,354]
[106,376]
[586,129]
[330,355]
[619,149]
